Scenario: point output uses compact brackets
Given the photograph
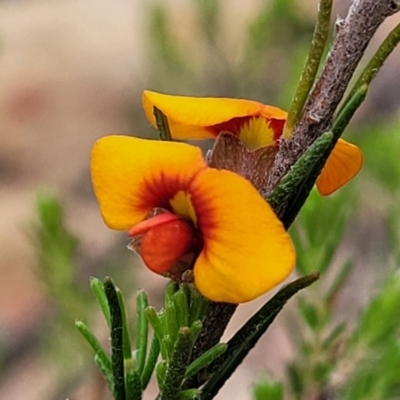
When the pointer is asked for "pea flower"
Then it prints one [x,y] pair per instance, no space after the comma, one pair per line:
[258,126]
[176,208]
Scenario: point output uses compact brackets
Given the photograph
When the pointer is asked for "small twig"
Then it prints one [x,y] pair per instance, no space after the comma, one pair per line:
[310,70]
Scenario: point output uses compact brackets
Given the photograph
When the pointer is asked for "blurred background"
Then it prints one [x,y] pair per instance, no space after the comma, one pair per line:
[73,71]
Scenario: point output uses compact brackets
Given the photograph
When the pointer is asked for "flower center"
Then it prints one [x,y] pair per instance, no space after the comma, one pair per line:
[182,206]
[254,132]
[257,132]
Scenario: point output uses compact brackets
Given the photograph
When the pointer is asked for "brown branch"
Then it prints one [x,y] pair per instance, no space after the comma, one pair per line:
[352,37]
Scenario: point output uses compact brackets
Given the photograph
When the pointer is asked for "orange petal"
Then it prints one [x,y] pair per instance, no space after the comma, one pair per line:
[192,117]
[132,176]
[343,164]
[246,249]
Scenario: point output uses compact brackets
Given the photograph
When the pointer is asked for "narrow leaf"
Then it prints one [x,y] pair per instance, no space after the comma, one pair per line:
[151,362]
[127,348]
[376,62]
[189,394]
[107,372]
[155,322]
[142,330]
[117,352]
[171,322]
[98,290]
[198,305]
[205,359]
[94,344]
[180,300]
[161,371]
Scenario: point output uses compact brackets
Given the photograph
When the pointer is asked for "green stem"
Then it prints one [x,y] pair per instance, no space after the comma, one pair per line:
[373,67]
[162,125]
[307,78]
[117,351]
[348,110]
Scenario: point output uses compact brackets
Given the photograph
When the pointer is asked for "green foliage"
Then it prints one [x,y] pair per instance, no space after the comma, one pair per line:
[375,342]
[316,244]
[173,339]
[56,249]
[165,50]
[211,69]
[268,390]
[382,165]
[57,254]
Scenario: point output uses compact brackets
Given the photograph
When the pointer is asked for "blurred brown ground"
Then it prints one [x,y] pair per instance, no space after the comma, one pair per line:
[71,72]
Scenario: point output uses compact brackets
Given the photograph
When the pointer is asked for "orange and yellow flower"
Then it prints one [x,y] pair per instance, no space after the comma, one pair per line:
[256,124]
[165,193]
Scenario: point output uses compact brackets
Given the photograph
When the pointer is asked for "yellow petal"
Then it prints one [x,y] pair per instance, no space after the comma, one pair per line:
[246,249]
[258,132]
[132,176]
[194,117]
[343,164]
